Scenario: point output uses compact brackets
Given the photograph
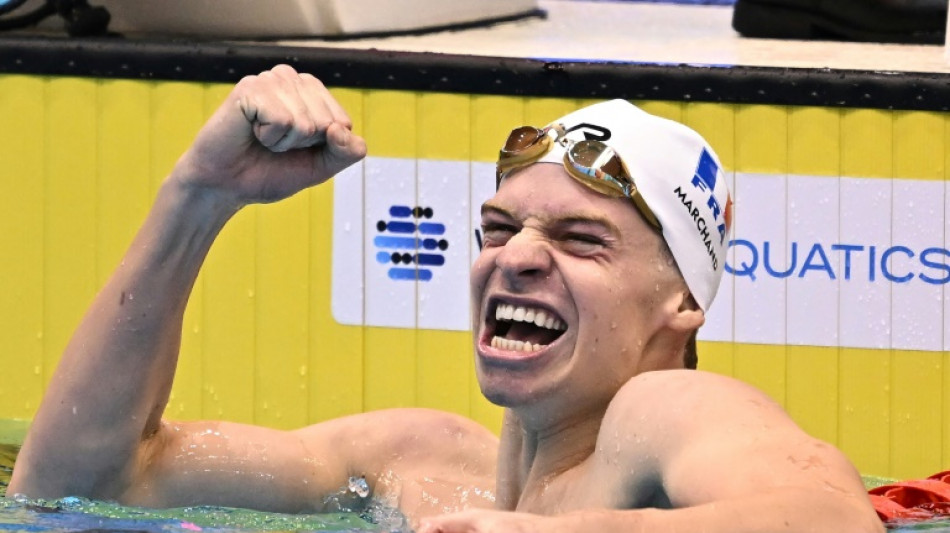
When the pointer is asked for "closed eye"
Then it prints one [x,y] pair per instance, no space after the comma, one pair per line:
[582,244]
[584,238]
[495,234]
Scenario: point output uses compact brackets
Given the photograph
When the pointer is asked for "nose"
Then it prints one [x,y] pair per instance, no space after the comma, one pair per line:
[524,258]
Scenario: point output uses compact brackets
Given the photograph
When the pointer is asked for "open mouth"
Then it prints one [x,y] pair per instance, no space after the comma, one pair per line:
[524,329]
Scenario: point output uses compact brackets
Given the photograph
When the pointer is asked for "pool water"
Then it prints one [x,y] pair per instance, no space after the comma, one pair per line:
[88,516]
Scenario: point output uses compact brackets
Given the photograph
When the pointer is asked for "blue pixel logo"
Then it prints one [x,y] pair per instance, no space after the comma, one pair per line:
[410,242]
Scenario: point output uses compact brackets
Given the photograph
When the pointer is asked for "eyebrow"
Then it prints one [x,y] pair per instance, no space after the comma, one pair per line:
[586,218]
[488,207]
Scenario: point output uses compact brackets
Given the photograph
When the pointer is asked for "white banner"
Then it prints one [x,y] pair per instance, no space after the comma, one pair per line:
[817,261]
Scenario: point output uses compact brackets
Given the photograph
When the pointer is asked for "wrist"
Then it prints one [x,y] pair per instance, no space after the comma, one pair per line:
[196,200]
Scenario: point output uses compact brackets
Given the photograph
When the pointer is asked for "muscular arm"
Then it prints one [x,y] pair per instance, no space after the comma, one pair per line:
[728,458]
[99,426]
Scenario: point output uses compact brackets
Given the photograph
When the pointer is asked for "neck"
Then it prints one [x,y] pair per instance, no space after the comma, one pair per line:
[532,455]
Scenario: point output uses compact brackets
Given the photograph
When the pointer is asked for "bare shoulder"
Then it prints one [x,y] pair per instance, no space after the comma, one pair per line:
[670,409]
[702,436]
[668,392]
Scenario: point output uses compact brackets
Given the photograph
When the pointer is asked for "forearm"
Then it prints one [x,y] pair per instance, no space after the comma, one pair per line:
[113,381]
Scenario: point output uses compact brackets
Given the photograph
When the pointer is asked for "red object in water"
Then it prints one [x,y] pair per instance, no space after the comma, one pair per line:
[915,500]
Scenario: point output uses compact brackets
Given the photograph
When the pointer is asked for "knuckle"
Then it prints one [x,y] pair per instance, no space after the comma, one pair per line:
[307,128]
[322,123]
[246,83]
[284,68]
[313,80]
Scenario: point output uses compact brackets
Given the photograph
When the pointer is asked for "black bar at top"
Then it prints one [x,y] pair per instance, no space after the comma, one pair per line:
[373,69]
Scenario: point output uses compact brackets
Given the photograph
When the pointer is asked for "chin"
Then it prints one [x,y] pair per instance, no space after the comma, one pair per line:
[504,390]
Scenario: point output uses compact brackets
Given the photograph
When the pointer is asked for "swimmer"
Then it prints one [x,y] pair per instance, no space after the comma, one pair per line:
[603,248]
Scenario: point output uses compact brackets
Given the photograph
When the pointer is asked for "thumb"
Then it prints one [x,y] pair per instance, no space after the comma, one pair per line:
[342,149]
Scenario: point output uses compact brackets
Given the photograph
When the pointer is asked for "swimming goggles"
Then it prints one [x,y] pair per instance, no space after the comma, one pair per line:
[591,162]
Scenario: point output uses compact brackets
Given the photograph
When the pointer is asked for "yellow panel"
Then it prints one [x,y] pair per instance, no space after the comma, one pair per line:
[123,154]
[21,240]
[492,118]
[918,145]
[762,366]
[283,317]
[215,93]
[389,375]
[718,357]
[444,370]
[761,138]
[352,102]
[916,422]
[444,126]
[946,145]
[864,406]
[541,111]
[716,123]
[336,351]
[389,118]
[670,110]
[866,143]
[864,399]
[814,141]
[228,283]
[177,111]
[176,115]
[228,306]
[70,211]
[389,356]
[812,392]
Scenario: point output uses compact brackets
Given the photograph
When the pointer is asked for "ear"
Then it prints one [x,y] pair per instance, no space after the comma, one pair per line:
[688,317]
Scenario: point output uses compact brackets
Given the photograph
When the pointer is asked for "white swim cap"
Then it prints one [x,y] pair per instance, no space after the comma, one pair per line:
[679,177]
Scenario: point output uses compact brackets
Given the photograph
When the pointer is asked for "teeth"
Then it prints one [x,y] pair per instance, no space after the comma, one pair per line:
[539,317]
[514,346]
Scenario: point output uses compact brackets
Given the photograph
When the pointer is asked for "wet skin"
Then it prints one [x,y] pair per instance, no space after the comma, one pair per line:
[590,260]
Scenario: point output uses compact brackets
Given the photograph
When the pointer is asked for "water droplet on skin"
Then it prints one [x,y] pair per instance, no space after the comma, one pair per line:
[358,486]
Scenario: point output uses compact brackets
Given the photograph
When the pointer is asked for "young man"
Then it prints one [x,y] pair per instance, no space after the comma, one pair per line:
[603,246]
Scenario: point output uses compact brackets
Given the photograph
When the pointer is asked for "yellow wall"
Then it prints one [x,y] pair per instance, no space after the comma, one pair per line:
[81,158]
